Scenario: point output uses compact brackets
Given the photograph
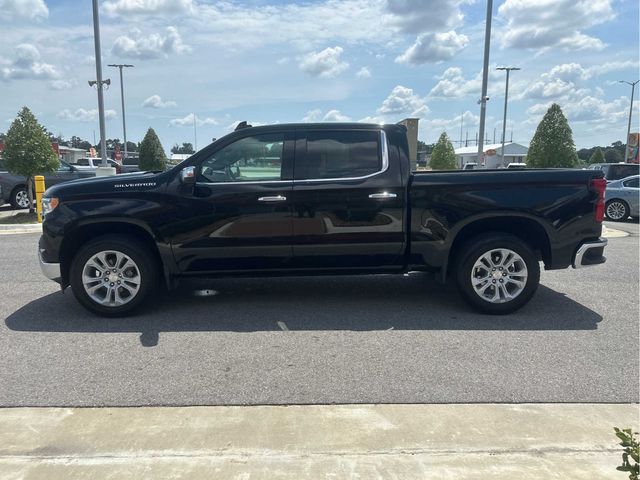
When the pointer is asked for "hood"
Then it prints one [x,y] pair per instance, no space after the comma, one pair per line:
[136,181]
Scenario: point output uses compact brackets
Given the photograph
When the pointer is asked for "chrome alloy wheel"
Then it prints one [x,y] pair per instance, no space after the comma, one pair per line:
[111,278]
[22,199]
[499,275]
[616,210]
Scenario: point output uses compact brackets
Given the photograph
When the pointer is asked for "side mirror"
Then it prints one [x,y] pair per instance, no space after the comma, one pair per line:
[188,175]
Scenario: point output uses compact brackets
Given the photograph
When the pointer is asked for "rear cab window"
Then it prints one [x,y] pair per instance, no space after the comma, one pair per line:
[339,154]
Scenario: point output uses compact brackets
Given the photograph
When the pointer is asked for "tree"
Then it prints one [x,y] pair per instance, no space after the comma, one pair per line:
[552,145]
[28,150]
[597,157]
[443,156]
[152,156]
[186,148]
[132,146]
[611,155]
[77,142]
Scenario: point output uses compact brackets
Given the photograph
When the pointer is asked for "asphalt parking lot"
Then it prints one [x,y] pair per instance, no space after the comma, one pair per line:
[376,339]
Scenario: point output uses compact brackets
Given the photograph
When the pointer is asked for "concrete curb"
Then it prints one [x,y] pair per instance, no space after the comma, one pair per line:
[497,441]
[20,228]
[613,233]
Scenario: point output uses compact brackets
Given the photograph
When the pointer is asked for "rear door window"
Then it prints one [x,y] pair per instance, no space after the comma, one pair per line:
[623,171]
[336,154]
[633,183]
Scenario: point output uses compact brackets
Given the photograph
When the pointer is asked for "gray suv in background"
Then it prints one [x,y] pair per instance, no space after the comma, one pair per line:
[616,171]
[14,187]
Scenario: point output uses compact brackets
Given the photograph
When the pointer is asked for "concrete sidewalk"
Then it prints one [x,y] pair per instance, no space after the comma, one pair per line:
[526,441]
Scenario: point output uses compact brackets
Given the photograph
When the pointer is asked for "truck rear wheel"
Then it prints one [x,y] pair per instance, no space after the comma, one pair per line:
[113,275]
[497,273]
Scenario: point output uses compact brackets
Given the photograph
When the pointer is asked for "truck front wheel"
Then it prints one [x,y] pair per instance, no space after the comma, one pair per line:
[113,275]
[497,273]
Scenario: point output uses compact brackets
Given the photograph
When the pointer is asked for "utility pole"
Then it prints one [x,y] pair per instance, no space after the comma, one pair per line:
[485,77]
[104,166]
[461,124]
[626,142]
[195,133]
[506,98]
[124,123]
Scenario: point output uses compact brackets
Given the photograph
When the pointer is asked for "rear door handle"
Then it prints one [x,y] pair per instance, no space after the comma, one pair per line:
[276,198]
[382,196]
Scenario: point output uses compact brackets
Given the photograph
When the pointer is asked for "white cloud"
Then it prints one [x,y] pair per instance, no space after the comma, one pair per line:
[324,64]
[155,101]
[364,72]
[403,102]
[539,24]
[23,10]
[82,115]
[145,7]
[586,109]
[188,121]
[453,84]
[331,116]
[426,15]
[565,79]
[65,84]
[434,47]
[26,65]
[453,124]
[151,46]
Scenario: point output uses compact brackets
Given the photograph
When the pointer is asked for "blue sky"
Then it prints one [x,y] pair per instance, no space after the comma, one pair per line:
[269,61]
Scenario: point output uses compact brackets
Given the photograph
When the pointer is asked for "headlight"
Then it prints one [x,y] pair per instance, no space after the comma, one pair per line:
[49,204]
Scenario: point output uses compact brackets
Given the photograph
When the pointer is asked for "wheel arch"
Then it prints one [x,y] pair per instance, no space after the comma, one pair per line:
[526,229]
[80,234]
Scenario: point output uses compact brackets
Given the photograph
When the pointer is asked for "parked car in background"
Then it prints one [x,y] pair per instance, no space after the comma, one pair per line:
[470,166]
[14,187]
[89,163]
[130,165]
[513,165]
[622,198]
[616,171]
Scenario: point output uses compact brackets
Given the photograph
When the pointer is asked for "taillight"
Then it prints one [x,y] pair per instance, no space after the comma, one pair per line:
[599,185]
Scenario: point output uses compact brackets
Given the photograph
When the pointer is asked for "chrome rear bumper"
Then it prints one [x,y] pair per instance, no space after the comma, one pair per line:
[590,254]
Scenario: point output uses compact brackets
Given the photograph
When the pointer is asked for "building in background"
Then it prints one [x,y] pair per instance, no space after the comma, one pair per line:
[513,153]
[70,154]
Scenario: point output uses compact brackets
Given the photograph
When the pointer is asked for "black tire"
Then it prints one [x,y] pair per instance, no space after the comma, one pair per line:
[16,195]
[147,265]
[622,207]
[473,250]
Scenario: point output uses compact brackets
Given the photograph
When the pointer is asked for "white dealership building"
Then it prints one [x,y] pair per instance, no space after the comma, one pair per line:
[513,153]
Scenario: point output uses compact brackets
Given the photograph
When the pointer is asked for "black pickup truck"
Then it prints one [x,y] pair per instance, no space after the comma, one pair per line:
[318,199]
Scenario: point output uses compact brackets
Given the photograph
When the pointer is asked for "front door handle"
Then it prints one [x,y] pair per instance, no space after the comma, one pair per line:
[382,196]
[276,198]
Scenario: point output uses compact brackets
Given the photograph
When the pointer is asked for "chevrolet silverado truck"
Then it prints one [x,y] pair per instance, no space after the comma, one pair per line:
[318,199]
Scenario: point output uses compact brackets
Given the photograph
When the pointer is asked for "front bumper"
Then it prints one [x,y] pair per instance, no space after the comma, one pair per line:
[590,254]
[50,270]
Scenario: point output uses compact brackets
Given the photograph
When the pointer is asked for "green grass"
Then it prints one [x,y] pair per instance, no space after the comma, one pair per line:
[19,218]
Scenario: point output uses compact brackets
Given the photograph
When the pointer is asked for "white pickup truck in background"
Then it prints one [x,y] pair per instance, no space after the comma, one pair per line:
[88,163]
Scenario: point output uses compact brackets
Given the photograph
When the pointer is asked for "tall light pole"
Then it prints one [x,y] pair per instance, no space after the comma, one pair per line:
[506,98]
[485,78]
[99,83]
[195,133]
[633,87]
[124,122]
